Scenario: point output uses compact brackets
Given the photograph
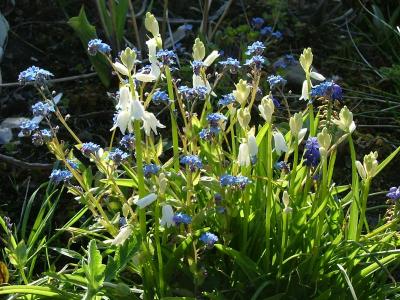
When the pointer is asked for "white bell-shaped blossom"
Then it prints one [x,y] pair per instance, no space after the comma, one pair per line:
[124,233]
[280,143]
[146,201]
[167,219]
[244,155]
[150,123]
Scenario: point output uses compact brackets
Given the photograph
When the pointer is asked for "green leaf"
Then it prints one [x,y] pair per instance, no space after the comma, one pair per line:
[248,266]
[122,10]
[67,252]
[86,32]
[36,290]
[94,269]
[387,160]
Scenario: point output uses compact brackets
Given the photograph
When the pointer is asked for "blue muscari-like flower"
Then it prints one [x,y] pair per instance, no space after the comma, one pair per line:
[327,89]
[257,48]
[282,166]
[34,74]
[57,176]
[276,80]
[167,57]
[160,97]
[27,127]
[73,164]
[311,154]
[209,239]
[118,156]
[394,193]
[181,218]
[257,22]
[232,64]
[192,161]
[197,65]
[256,61]
[215,119]
[150,169]
[209,133]
[89,148]
[226,99]
[97,45]
[267,30]
[238,182]
[128,141]
[42,109]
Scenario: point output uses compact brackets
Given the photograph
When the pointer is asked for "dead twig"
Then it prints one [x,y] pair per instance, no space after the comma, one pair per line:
[25,165]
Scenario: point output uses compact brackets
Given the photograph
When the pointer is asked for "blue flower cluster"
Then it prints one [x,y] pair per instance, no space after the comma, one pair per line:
[128,141]
[209,133]
[118,156]
[394,193]
[192,161]
[58,176]
[257,61]
[328,90]
[231,64]
[197,65]
[42,136]
[257,48]
[312,155]
[89,148]
[167,57]
[209,239]
[150,169]
[73,164]
[226,100]
[257,23]
[160,97]
[34,74]
[216,119]
[42,109]
[284,62]
[181,218]
[267,31]
[27,127]
[276,80]
[97,45]
[282,166]
[237,182]
[191,93]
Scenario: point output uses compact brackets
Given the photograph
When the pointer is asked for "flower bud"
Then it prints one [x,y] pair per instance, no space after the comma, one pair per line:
[267,108]
[323,153]
[243,155]
[296,123]
[252,142]
[151,24]
[244,117]
[210,58]
[280,143]
[121,68]
[361,170]
[125,210]
[371,164]
[345,121]
[162,183]
[242,92]
[128,58]
[324,139]
[199,51]
[306,59]
[286,201]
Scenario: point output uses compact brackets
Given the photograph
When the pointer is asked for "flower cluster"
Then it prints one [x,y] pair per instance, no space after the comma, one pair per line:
[231,64]
[58,176]
[160,97]
[209,239]
[275,81]
[227,100]
[167,57]
[118,156]
[128,141]
[189,94]
[193,162]
[35,75]
[284,62]
[97,45]
[328,90]
[257,48]
[27,127]
[42,109]
[181,218]
[394,193]
[150,169]
[41,137]
[89,149]
[236,182]
[312,155]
